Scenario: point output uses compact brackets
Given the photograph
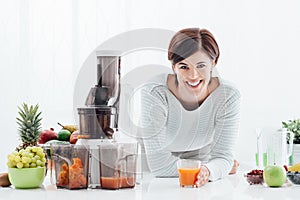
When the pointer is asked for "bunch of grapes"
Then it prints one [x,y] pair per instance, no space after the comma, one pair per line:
[27,158]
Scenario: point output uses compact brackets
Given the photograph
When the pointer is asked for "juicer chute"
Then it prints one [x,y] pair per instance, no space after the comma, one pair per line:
[107,90]
[99,119]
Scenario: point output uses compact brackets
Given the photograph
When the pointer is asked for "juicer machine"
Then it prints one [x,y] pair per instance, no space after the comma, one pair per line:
[98,120]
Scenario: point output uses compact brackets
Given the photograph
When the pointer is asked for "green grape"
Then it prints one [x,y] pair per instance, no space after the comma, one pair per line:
[37,157]
[25,154]
[39,150]
[13,162]
[19,165]
[24,160]
[21,151]
[41,154]
[11,165]
[17,158]
[30,155]
[32,165]
[39,162]
[11,157]
[44,160]
[33,160]
[27,165]
[15,153]
[34,149]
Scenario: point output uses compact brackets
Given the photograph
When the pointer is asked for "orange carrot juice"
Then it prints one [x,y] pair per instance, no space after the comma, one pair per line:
[188,176]
[117,182]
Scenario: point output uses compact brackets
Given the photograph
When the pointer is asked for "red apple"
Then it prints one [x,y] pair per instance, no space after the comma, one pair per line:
[74,137]
[47,135]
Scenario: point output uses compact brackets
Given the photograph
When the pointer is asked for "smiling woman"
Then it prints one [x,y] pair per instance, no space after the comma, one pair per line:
[193,80]
[190,114]
[193,53]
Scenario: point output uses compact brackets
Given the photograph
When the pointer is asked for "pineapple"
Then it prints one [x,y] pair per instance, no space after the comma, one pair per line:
[29,122]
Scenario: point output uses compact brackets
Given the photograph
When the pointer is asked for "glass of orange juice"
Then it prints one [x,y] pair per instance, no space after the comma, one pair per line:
[188,171]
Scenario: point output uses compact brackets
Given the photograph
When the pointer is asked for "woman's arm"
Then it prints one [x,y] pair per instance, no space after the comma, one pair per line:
[152,124]
[226,133]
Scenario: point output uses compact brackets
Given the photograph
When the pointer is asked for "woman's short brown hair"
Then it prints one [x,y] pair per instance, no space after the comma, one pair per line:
[188,41]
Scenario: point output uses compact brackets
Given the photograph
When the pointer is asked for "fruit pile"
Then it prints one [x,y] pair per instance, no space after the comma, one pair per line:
[27,158]
[67,135]
[28,154]
[255,177]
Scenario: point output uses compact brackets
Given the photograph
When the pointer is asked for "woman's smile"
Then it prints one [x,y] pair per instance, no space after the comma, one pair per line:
[194,84]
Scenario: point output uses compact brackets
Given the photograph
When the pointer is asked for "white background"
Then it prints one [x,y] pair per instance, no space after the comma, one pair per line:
[43,45]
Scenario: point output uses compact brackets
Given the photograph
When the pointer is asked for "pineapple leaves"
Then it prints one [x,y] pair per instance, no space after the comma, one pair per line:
[21,113]
[29,122]
[25,107]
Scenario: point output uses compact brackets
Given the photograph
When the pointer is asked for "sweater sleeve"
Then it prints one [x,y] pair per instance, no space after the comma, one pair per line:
[152,123]
[226,132]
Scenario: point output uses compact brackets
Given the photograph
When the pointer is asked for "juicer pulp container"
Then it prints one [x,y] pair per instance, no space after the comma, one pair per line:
[71,164]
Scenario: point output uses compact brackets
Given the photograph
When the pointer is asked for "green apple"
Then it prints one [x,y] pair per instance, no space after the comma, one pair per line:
[64,135]
[274,175]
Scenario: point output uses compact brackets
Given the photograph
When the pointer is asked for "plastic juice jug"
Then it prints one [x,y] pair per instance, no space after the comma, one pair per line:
[277,151]
[117,165]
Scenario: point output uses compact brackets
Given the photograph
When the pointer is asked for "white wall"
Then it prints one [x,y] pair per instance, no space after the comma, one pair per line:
[43,45]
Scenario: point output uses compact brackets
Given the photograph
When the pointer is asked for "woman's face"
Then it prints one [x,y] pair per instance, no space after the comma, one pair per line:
[193,74]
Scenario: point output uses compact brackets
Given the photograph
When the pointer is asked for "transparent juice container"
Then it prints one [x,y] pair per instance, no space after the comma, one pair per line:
[71,164]
[118,165]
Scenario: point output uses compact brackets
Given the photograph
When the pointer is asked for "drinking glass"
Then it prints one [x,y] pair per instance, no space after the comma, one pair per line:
[188,171]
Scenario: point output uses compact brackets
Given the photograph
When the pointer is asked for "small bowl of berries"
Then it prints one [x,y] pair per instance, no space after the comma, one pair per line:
[255,176]
[294,177]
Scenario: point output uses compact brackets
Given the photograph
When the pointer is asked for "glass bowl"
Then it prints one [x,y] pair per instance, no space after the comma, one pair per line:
[294,177]
[255,177]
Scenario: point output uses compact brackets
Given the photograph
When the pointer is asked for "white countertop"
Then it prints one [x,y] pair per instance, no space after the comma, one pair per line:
[232,187]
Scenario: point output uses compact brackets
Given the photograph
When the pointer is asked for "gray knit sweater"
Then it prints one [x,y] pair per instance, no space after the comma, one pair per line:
[170,132]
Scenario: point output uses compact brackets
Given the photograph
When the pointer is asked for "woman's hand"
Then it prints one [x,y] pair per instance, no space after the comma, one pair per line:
[235,166]
[203,176]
